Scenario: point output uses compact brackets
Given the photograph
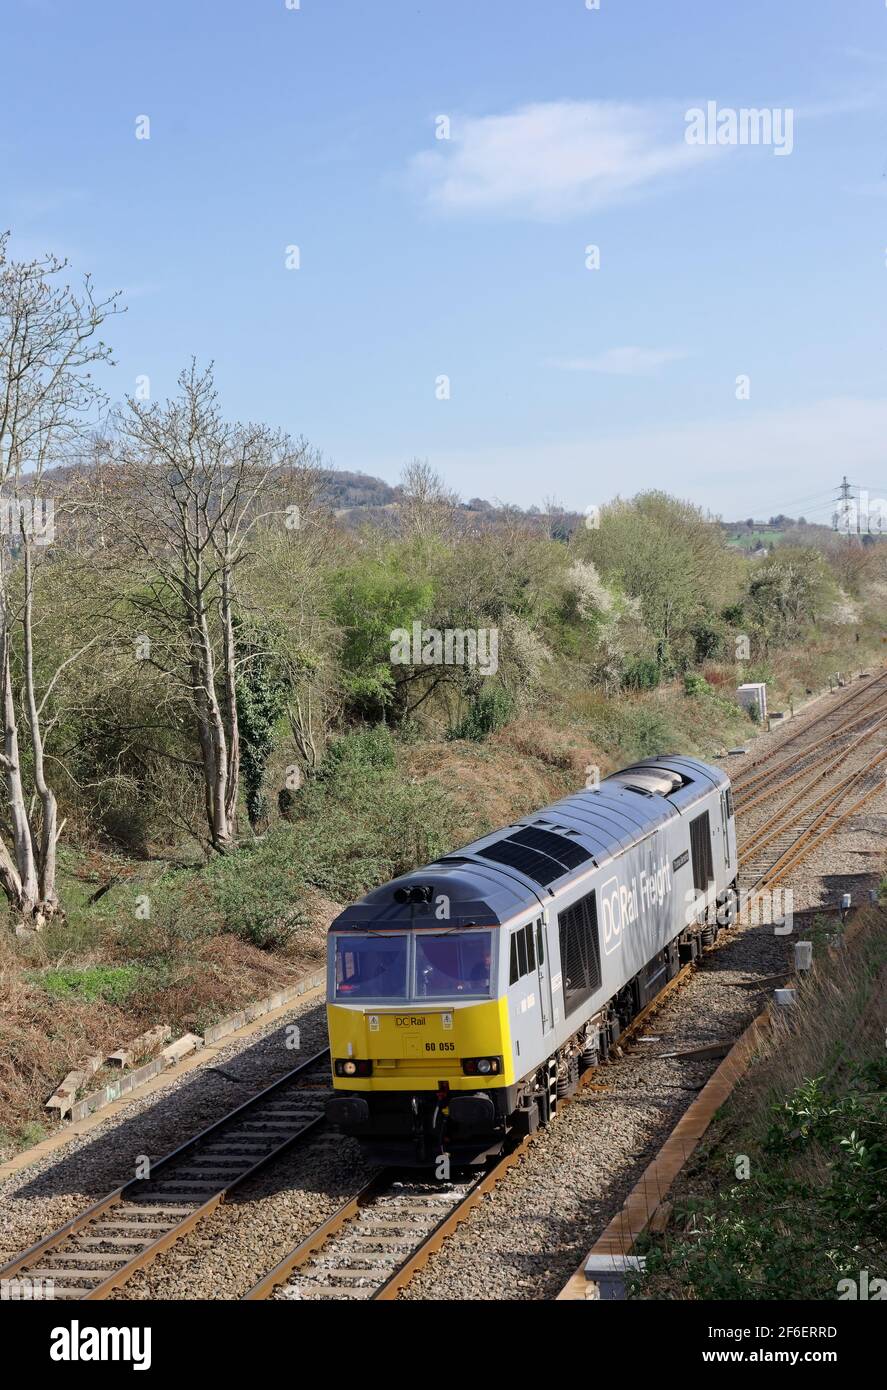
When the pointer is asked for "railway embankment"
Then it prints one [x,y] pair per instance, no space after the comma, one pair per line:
[784,1198]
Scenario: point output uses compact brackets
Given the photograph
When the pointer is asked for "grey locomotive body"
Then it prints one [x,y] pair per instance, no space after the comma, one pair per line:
[587,908]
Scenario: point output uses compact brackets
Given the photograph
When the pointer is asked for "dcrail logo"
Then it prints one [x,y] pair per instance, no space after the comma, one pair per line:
[746,126]
[76,1343]
[623,905]
[454,646]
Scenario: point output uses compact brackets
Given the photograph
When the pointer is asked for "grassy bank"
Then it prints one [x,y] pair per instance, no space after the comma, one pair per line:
[785,1198]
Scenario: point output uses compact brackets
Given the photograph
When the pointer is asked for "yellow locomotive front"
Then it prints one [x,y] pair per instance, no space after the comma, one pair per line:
[419,1037]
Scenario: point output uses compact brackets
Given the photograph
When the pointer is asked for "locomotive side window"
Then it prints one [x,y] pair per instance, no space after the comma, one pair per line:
[729,796]
[531,954]
[580,951]
[521,939]
[540,942]
[523,954]
[700,850]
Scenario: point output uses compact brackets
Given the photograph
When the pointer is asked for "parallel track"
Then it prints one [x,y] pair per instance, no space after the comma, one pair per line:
[873,686]
[790,808]
[102,1248]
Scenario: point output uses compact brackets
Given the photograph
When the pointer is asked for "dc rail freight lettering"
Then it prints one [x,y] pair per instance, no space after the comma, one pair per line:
[464,999]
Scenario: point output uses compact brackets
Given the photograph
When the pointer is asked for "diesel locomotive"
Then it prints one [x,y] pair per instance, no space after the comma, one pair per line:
[465,998]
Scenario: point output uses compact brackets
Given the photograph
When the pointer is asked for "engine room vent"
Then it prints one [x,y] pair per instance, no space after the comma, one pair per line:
[539,854]
[560,848]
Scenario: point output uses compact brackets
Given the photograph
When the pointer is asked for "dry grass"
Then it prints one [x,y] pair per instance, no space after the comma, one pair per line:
[837,1021]
[43,1035]
[492,783]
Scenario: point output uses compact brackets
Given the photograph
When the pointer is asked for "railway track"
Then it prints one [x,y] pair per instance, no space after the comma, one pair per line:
[874,687]
[790,807]
[373,1245]
[102,1248]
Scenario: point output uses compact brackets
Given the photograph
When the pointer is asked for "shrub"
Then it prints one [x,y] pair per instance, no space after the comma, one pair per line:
[647,732]
[641,674]
[490,709]
[352,835]
[354,755]
[258,891]
[696,685]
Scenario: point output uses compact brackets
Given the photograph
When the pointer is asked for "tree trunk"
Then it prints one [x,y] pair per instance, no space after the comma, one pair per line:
[49,829]
[19,878]
[230,657]
[210,725]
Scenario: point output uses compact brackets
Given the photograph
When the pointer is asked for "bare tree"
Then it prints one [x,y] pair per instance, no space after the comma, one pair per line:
[428,510]
[48,346]
[185,494]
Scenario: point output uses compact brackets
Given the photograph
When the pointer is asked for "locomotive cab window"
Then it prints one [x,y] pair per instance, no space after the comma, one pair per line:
[453,964]
[371,967]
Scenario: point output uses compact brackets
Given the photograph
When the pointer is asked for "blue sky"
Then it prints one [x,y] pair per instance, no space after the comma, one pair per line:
[465,257]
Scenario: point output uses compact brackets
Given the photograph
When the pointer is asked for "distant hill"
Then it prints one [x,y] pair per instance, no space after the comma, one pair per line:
[342,489]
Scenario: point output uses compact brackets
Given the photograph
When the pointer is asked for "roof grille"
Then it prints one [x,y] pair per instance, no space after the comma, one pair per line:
[539,854]
[559,848]
[538,867]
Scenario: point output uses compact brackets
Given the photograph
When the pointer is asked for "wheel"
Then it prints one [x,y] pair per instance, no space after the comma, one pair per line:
[567,1084]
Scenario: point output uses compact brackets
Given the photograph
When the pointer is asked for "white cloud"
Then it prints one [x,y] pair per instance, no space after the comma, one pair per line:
[625,361]
[552,159]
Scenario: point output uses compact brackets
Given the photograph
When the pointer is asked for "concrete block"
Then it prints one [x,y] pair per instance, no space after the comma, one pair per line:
[189,1042]
[609,1272]
[142,1046]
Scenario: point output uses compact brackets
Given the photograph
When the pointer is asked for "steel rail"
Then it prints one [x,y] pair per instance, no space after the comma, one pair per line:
[137,1198]
[744,778]
[380,1185]
[744,801]
[777,825]
[820,766]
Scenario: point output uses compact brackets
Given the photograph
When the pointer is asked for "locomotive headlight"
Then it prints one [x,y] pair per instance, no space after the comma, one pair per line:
[348,1066]
[482,1066]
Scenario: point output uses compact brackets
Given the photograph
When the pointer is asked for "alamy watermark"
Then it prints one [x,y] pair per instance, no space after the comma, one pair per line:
[28,516]
[451,646]
[767,907]
[746,125]
[863,515]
